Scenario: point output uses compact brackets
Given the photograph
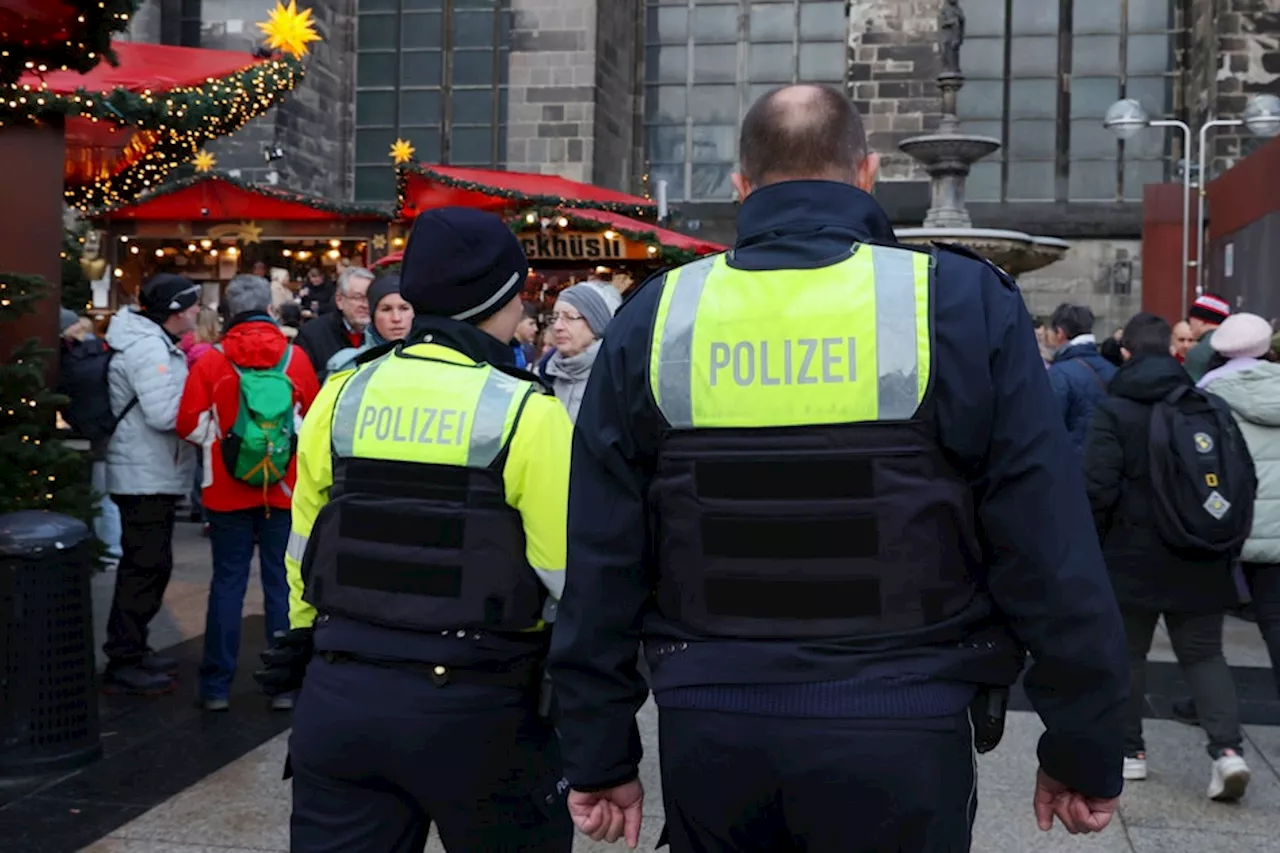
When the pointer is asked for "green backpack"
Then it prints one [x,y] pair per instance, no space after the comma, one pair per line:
[258,447]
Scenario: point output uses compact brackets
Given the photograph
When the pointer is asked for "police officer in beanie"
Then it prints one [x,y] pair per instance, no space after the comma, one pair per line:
[426,555]
[822,478]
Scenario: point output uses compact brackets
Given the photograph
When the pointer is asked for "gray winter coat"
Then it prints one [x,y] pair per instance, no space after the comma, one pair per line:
[1254,396]
[145,455]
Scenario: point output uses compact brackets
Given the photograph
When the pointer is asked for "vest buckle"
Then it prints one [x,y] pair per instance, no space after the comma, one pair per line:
[439,675]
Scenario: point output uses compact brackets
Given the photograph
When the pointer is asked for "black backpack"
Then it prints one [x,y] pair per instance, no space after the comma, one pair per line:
[82,376]
[1202,473]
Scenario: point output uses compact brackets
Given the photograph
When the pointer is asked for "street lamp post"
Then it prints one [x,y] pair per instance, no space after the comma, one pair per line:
[1125,119]
[1262,118]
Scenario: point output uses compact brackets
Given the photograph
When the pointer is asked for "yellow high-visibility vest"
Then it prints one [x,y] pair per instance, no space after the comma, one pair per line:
[845,343]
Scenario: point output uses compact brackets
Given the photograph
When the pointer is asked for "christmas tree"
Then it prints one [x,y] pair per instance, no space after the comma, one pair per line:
[77,294]
[38,471]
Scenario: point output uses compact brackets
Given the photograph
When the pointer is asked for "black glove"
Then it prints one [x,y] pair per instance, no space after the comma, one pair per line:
[286,661]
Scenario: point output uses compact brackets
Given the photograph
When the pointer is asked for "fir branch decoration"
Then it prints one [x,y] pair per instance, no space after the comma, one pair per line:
[340,208]
[39,471]
[91,24]
[404,170]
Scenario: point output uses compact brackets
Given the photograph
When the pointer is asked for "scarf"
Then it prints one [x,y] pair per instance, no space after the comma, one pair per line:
[569,376]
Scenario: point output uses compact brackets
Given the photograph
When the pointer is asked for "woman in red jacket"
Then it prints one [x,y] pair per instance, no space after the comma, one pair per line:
[241,515]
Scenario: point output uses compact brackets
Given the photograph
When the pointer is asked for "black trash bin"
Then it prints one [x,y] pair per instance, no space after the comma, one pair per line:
[48,695]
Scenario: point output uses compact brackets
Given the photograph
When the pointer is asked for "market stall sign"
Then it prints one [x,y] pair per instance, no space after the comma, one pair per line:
[244,232]
[581,246]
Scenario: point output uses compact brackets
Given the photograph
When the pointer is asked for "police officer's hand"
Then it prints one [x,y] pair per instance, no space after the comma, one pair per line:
[286,661]
[609,815]
[1078,813]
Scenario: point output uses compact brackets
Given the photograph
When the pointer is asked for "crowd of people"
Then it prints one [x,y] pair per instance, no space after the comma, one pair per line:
[168,380]
[1107,394]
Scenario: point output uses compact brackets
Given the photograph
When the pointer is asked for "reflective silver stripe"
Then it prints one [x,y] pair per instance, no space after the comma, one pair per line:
[346,414]
[897,357]
[297,546]
[675,357]
[491,417]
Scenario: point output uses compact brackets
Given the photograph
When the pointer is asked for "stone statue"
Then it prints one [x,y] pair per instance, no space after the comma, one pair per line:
[950,35]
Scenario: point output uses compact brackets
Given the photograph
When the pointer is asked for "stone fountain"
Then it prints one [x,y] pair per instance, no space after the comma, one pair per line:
[947,155]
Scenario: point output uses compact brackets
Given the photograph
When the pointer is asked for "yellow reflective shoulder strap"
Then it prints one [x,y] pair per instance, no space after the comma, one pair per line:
[902,329]
[671,355]
[499,407]
[346,411]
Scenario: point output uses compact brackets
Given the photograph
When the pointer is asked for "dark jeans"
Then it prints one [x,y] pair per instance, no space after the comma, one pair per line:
[1264,587]
[379,754]
[146,562]
[1197,644]
[197,505]
[756,784]
[233,536]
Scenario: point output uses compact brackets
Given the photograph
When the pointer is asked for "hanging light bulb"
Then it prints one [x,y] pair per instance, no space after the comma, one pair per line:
[206,244]
[333,244]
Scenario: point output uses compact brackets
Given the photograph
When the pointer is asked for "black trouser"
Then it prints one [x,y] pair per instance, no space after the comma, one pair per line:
[146,562]
[756,784]
[1264,587]
[1197,644]
[379,753]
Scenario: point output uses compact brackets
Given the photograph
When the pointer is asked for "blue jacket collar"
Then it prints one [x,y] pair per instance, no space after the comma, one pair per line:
[1085,351]
[794,207]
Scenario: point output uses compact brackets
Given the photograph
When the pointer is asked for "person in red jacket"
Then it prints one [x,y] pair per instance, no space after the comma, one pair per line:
[241,515]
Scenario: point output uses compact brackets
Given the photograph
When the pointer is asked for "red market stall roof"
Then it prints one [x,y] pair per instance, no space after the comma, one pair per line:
[153,110]
[423,187]
[147,66]
[217,197]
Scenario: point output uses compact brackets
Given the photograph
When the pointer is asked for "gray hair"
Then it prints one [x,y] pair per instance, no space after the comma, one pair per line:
[344,278]
[247,293]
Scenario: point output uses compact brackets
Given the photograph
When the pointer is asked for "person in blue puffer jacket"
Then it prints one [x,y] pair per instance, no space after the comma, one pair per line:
[1079,374]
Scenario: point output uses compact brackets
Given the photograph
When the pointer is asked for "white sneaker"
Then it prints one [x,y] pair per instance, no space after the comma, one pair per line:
[1230,778]
[1135,767]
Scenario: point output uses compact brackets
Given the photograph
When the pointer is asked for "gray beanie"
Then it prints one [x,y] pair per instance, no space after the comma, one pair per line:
[591,303]
[66,319]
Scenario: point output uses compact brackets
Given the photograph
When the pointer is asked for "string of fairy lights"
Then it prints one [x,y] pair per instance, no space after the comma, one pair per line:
[173,124]
[87,39]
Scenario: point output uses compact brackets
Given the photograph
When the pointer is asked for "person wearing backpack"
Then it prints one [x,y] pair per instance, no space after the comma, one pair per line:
[242,404]
[1168,545]
[82,378]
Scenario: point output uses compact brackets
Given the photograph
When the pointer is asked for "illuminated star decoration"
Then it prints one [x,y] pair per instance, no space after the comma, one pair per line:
[204,161]
[402,151]
[289,30]
[250,232]
[379,242]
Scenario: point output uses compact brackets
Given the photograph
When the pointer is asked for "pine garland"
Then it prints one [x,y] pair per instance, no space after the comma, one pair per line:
[91,24]
[404,170]
[350,209]
[183,120]
[39,472]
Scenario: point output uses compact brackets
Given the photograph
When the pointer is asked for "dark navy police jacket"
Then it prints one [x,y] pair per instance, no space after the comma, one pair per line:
[997,420]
